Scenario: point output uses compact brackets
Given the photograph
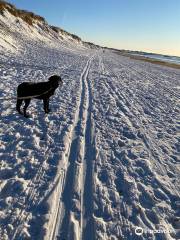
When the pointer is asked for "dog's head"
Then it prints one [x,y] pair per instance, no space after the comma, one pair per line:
[55,81]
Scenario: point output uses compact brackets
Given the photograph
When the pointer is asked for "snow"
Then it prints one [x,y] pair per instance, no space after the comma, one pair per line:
[105,160]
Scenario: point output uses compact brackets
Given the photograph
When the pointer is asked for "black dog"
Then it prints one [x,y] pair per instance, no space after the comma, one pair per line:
[42,90]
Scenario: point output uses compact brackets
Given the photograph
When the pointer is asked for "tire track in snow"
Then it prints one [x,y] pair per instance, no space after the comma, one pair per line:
[69,225]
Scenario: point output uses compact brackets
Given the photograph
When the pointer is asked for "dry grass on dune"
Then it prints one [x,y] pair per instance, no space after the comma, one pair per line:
[28,17]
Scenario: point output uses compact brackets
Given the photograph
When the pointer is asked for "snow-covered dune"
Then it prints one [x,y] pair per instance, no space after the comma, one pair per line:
[104,164]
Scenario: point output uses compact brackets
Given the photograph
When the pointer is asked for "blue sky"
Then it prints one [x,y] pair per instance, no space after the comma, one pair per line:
[147,25]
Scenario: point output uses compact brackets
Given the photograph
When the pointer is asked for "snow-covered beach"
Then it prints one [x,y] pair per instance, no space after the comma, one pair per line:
[105,161]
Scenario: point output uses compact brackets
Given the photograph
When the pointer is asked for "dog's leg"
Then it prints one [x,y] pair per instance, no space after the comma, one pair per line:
[18,105]
[27,102]
[46,105]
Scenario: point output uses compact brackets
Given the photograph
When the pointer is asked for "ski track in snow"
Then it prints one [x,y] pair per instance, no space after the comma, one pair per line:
[104,161]
[72,196]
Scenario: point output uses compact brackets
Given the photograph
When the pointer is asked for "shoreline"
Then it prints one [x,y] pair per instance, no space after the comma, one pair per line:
[154,61]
